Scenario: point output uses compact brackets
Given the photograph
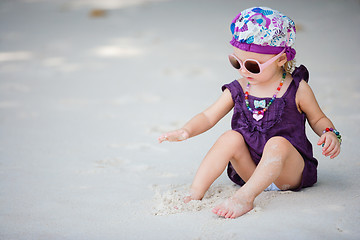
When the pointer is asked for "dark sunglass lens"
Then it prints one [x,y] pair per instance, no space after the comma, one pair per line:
[234,62]
[252,66]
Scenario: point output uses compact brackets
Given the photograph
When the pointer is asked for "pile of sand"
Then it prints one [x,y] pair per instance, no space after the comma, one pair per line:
[169,199]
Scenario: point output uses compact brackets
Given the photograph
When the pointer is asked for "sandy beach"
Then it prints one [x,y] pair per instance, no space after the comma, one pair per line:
[86,87]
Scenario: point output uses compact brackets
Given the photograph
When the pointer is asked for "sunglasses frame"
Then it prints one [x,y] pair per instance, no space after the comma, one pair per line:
[262,66]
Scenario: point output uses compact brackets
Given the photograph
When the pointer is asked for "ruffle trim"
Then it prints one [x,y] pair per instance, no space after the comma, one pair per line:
[300,73]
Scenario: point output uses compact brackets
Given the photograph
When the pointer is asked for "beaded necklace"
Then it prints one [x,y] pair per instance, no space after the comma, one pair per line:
[259,114]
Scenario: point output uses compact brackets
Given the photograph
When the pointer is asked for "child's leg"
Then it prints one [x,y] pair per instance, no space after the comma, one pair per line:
[281,163]
[228,147]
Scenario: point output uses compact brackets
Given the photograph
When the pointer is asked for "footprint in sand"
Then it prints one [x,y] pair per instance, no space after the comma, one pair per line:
[116,165]
[140,146]
[159,129]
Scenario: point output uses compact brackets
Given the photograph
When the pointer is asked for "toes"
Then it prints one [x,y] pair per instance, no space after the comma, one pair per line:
[222,211]
[218,212]
[232,209]
[229,214]
[215,210]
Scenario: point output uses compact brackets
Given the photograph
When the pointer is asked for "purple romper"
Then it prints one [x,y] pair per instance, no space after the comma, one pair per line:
[282,119]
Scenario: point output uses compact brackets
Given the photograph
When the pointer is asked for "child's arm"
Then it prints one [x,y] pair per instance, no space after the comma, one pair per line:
[307,103]
[203,121]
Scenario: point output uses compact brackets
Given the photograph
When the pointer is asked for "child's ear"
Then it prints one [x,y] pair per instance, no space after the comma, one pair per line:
[282,60]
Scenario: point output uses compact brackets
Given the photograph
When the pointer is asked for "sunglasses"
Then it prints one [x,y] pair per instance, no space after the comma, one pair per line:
[252,65]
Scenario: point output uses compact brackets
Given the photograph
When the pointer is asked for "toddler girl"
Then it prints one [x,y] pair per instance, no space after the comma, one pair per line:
[267,148]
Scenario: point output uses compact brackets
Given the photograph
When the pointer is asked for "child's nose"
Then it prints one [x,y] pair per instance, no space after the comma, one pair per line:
[243,70]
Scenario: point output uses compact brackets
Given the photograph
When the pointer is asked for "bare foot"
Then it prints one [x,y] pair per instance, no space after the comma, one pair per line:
[233,207]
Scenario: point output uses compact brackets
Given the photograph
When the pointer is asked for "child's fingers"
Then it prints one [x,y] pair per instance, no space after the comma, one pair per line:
[169,136]
[333,150]
[321,140]
[328,147]
[162,138]
[330,150]
[174,136]
[178,135]
[337,152]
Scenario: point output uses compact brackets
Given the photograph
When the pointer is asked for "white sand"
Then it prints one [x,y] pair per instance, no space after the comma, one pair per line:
[171,201]
[86,87]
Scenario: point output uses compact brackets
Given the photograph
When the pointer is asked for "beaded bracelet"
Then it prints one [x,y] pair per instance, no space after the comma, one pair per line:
[334,131]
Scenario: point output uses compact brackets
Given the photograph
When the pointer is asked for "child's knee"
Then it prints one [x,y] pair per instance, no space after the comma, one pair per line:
[278,144]
[276,147]
[233,138]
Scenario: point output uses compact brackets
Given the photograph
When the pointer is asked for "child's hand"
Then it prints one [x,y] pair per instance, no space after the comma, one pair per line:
[174,136]
[331,144]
